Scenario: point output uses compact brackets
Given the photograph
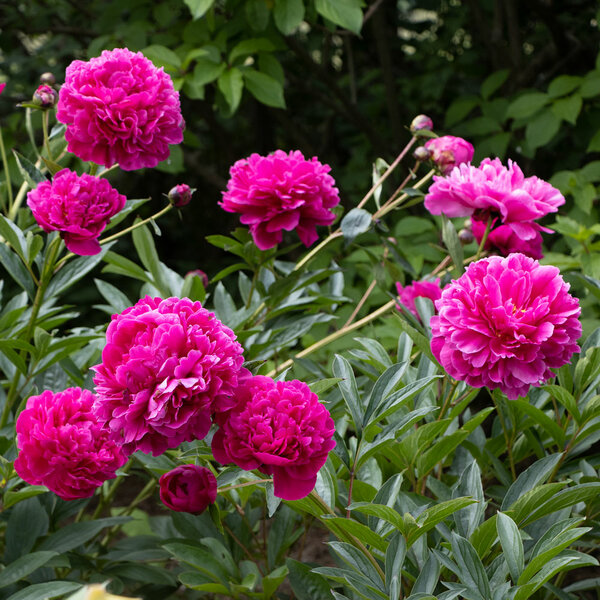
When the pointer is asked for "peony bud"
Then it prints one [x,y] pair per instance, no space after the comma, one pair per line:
[180,195]
[199,273]
[421,122]
[47,79]
[188,488]
[465,236]
[45,96]
[421,154]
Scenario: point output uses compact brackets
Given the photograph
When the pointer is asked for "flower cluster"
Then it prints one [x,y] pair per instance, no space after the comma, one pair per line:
[79,206]
[281,192]
[505,323]
[188,488]
[418,289]
[119,108]
[502,194]
[62,446]
[449,151]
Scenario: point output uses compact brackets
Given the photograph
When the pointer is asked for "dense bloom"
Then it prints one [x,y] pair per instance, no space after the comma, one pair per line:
[79,206]
[422,289]
[505,323]
[166,366]
[281,191]
[505,241]
[421,122]
[449,151]
[188,488]
[180,195]
[62,446]
[119,108]
[279,428]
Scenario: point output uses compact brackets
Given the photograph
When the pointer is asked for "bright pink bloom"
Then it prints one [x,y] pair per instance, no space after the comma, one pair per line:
[166,366]
[418,289]
[62,446]
[504,240]
[188,488]
[2,86]
[448,152]
[119,108]
[281,191]
[505,323]
[279,428]
[79,206]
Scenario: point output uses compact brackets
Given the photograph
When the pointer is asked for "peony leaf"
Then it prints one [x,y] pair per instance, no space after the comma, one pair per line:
[231,84]
[198,7]
[355,222]
[265,88]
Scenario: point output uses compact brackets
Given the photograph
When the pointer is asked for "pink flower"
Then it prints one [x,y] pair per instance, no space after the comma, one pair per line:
[418,289]
[188,488]
[180,195]
[199,273]
[504,240]
[281,191]
[166,366]
[62,446]
[79,207]
[119,108]
[505,323]
[279,428]
[448,152]
[2,86]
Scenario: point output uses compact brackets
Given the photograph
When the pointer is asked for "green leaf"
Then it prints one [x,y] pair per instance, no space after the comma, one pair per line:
[380,511]
[48,590]
[206,71]
[123,266]
[354,223]
[341,368]
[144,245]
[471,568]
[493,82]
[231,84]
[345,13]
[264,88]
[257,14]
[460,108]
[16,269]
[27,522]
[512,545]
[394,559]
[526,105]
[568,109]
[31,174]
[452,242]
[113,295]
[20,568]
[198,7]
[383,388]
[11,498]
[306,584]
[14,236]
[354,528]
[540,418]
[162,56]
[564,499]
[288,14]
[355,559]
[250,46]
[542,129]
[559,393]
[322,385]
[563,84]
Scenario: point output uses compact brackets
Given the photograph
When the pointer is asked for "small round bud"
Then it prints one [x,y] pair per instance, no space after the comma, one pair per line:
[45,96]
[199,273]
[180,195]
[47,78]
[421,122]
[421,154]
[466,236]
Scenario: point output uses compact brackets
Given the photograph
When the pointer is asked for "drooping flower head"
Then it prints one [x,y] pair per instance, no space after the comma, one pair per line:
[79,206]
[449,151]
[188,488]
[167,365]
[279,428]
[505,323]
[62,446]
[418,289]
[505,241]
[281,192]
[120,108]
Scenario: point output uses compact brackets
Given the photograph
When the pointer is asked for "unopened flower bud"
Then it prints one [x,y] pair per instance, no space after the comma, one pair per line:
[199,273]
[47,79]
[180,195]
[421,154]
[421,122]
[45,96]
[466,236]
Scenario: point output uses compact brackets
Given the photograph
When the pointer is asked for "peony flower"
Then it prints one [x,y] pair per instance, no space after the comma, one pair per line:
[505,241]
[180,195]
[62,446]
[279,428]
[2,86]
[79,207]
[418,289]
[448,152]
[281,191]
[119,108]
[421,122]
[188,488]
[166,366]
[505,323]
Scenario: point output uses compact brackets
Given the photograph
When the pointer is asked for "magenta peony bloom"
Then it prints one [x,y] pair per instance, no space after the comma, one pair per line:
[281,191]
[119,108]
[2,86]
[448,152]
[79,207]
[423,289]
[188,488]
[505,241]
[62,446]
[166,366]
[505,323]
[279,428]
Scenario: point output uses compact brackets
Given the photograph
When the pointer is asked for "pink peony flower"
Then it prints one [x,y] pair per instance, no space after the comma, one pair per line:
[281,191]
[79,207]
[166,366]
[2,86]
[422,289]
[188,488]
[505,323]
[504,240]
[62,446]
[448,152]
[279,428]
[119,108]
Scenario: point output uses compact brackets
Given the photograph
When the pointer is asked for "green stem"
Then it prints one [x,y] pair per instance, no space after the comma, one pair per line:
[93,169]
[317,249]
[107,171]
[6,170]
[112,490]
[506,438]
[488,228]
[45,123]
[389,206]
[240,485]
[116,236]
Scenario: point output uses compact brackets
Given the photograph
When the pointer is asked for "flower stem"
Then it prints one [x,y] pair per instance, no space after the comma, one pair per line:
[14,209]
[486,233]
[245,484]
[116,236]
[389,206]
[507,440]
[45,122]
[317,249]
[6,170]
